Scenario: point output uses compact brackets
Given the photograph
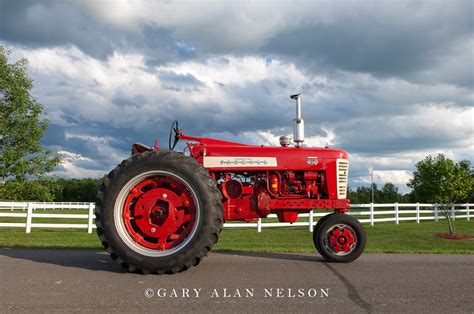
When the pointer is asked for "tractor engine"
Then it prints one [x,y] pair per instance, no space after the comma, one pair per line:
[247,196]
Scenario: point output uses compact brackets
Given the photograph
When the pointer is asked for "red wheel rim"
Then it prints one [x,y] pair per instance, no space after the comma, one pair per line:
[159,213]
[341,239]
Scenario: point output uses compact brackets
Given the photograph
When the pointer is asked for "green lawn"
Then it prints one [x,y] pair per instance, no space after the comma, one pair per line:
[407,237]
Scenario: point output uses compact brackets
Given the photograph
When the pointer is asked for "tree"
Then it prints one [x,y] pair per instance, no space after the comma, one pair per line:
[22,157]
[41,189]
[361,195]
[389,194]
[442,182]
[77,190]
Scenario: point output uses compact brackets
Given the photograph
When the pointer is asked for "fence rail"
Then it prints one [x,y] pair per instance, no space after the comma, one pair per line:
[399,212]
[42,205]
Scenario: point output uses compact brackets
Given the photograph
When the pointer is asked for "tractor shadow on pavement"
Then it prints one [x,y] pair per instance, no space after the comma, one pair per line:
[100,261]
[85,259]
[281,256]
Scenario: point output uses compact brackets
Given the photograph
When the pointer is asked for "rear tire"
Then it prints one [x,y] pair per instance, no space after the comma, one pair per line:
[340,238]
[159,212]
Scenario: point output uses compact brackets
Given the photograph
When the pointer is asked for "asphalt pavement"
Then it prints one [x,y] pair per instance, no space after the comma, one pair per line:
[37,280]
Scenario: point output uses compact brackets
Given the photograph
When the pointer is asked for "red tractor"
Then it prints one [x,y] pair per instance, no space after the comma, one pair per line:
[161,211]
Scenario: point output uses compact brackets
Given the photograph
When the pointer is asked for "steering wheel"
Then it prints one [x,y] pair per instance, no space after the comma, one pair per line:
[174,135]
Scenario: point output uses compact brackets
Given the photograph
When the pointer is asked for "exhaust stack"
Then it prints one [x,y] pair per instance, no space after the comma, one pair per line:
[298,122]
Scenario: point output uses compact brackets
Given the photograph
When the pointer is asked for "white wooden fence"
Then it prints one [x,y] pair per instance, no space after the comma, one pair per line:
[399,212]
[416,212]
[29,215]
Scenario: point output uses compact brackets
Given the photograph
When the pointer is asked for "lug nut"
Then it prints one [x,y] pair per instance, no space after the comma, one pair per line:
[153,229]
[164,195]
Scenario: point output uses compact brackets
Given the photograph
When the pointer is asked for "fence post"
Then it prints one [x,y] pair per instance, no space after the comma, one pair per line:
[396,213]
[467,211]
[417,213]
[371,214]
[90,218]
[259,225]
[436,212]
[453,215]
[28,217]
[311,221]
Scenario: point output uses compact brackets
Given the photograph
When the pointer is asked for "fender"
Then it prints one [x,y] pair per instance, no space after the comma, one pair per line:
[138,148]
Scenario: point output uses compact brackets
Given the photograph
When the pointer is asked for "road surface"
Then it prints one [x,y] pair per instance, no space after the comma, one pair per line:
[37,280]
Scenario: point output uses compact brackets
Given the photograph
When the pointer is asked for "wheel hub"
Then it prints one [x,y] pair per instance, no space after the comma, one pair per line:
[341,239]
[153,212]
[159,213]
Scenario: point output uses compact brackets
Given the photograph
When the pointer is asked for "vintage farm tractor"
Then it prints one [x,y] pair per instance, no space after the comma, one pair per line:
[161,211]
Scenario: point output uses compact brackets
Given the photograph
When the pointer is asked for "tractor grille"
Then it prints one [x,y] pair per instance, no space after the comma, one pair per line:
[342,175]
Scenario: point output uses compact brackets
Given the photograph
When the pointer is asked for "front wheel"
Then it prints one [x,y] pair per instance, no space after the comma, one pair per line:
[340,238]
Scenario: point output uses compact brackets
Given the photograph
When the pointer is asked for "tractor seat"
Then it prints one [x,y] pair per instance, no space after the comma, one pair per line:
[138,148]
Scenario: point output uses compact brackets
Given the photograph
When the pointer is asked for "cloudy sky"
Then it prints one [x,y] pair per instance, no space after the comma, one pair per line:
[389,81]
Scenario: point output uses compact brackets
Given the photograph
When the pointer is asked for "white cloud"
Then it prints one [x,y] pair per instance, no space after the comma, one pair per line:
[397,177]
[106,140]
[249,25]
[219,21]
[245,98]
[228,69]
[445,120]
[71,171]
[91,85]
[268,138]
[71,157]
[125,14]
[70,168]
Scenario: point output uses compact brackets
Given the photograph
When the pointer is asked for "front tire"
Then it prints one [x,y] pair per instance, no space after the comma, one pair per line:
[340,238]
[317,227]
[159,212]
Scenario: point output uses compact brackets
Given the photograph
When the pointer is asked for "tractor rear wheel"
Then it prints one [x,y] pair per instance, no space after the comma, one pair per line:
[340,238]
[159,211]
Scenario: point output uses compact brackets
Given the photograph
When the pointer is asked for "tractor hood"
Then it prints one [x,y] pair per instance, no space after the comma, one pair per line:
[230,157]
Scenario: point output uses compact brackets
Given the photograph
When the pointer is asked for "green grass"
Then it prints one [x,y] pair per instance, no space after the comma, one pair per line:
[407,237]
